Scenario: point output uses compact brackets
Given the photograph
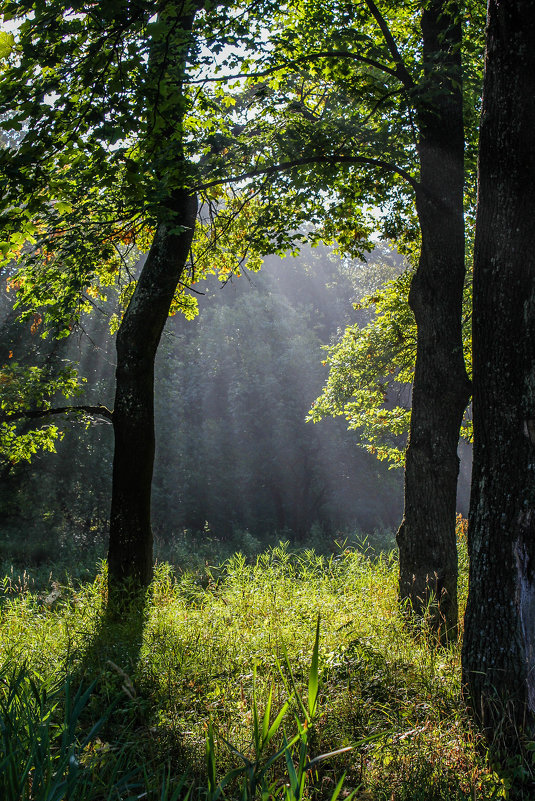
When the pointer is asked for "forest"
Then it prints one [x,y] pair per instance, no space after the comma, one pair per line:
[267,400]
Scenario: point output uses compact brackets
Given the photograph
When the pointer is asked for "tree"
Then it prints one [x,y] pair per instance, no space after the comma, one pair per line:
[400,124]
[106,164]
[499,642]
[426,538]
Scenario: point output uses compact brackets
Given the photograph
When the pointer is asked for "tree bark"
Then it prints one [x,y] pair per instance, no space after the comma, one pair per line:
[499,644]
[130,547]
[441,389]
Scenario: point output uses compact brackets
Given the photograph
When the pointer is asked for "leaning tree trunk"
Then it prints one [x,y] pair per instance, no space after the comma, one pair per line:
[130,548]
[426,538]
[499,644]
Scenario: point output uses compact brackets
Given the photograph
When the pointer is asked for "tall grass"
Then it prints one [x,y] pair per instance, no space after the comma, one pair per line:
[200,676]
[41,748]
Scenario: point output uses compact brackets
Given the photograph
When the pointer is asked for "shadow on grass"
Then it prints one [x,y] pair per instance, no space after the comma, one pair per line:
[131,742]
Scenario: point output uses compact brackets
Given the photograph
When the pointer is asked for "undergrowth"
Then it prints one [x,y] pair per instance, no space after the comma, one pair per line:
[184,689]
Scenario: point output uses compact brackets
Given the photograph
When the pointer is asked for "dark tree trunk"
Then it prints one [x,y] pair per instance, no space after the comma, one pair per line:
[499,644]
[426,538]
[130,548]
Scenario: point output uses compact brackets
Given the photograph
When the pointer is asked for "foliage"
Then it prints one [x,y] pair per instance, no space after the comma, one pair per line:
[46,508]
[27,388]
[371,369]
[336,99]
[110,127]
[99,137]
[94,165]
[71,207]
[367,364]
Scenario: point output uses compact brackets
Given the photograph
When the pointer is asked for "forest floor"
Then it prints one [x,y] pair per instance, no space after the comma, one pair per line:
[182,695]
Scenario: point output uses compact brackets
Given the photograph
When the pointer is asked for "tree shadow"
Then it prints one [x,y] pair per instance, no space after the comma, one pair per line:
[107,660]
[117,637]
[132,742]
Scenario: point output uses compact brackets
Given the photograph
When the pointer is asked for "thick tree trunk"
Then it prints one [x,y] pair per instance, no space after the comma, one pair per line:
[426,538]
[499,644]
[130,548]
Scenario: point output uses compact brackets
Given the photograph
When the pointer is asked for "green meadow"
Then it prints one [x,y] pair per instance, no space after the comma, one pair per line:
[239,682]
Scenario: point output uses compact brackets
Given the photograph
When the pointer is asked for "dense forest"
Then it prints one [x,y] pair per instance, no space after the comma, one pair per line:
[253,255]
[236,462]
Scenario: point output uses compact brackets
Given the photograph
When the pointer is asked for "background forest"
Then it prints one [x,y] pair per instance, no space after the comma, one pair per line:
[237,466]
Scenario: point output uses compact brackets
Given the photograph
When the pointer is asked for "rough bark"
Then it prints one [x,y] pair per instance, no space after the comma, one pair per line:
[426,538]
[499,644]
[130,547]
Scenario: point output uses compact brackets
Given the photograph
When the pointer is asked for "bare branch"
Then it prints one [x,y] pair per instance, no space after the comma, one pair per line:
[395,73]
[305,161]
[31,414]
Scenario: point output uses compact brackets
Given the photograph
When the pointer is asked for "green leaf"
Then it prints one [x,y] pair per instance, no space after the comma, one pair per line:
[277,722]
[313,675]
[7,43]
[267,714]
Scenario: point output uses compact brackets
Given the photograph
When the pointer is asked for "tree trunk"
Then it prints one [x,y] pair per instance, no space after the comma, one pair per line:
[130,548]
[426,538]
[499,644]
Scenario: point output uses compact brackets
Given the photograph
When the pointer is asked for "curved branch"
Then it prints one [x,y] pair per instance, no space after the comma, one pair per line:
[94,411]
[395,73]
[303,162]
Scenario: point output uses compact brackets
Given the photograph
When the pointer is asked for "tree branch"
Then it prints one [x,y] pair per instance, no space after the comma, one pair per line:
[308,57]
[303,162]
[95,411]
[401,72]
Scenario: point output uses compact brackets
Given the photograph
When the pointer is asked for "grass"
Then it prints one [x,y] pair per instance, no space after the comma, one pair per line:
[187,677]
